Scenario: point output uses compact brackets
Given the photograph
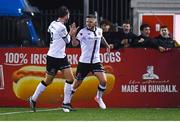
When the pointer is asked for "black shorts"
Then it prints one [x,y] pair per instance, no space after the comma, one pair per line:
[84,68]
[55,64]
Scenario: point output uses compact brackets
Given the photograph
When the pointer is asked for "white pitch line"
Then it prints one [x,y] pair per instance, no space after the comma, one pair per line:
[18,112]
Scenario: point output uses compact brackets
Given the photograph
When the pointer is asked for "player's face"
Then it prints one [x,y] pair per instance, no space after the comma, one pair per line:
[67,18]
[90,23]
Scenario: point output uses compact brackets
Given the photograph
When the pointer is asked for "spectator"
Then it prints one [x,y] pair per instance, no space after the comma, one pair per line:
[164,41]
[124,38]
[105,25]
[144,39]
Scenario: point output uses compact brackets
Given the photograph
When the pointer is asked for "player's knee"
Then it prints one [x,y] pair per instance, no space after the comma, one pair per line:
[77,83]
[103,83]
[71,79]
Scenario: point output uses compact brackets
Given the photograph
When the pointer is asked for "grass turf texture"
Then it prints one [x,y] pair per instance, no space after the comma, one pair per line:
[88,114]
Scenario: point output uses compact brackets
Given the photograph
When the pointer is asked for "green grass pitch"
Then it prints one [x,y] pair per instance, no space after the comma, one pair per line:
[89,114]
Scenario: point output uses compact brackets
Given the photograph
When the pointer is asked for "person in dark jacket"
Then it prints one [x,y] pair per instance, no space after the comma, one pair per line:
[125,37]
[144,39]
[164,42]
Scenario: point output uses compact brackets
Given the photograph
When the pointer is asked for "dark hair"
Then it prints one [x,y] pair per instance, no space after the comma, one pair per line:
[144,26]
[105,22]
[63,11]
[91,16]
[164,26]
[126,22]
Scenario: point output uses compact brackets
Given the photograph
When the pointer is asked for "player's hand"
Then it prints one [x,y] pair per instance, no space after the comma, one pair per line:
[108,49]
[111,46]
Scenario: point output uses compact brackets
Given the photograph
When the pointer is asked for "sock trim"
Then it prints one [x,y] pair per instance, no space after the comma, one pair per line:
[43,83]
[101,88]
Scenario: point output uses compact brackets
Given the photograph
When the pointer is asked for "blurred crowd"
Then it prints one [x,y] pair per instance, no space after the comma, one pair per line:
[124,37]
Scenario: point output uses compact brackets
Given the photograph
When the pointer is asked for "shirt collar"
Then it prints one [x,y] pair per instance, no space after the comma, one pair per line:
[94,30]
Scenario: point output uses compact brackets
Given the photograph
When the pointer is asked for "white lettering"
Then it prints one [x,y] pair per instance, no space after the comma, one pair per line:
[117,55]
[162,88]
[129,88]
[38,58]
[143,88]
[112,57]
[73,59]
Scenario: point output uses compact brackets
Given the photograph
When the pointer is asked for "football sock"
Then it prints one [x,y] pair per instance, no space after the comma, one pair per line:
[67,92]
[100,91]
[72,92]
[40,88]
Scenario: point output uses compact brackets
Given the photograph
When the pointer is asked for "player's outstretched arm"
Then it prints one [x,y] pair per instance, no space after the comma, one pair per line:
[108,47]
[104,42]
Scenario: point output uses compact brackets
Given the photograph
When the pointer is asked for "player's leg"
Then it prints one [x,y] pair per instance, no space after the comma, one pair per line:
[68,94]
[99,72]
[68,74]
[80,75]
[65,67]
[51,72]
[82,71]
[40,88]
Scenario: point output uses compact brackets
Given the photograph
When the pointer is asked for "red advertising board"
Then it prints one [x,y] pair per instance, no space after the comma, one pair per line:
[155,21]
[136,78]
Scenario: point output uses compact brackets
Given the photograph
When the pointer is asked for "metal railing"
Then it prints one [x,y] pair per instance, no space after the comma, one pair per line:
[14,31]
[115,11]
